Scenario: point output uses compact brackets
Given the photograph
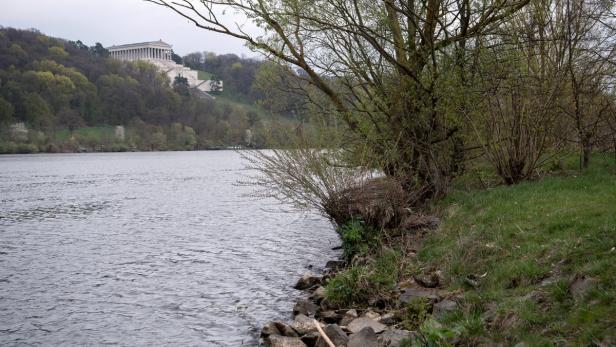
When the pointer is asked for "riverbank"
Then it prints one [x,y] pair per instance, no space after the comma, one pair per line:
[525,265]
[28,148]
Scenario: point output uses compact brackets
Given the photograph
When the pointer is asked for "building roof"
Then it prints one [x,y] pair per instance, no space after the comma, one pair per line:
[155,44]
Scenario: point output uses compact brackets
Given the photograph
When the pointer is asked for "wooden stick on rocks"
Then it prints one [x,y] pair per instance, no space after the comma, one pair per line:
[323,335]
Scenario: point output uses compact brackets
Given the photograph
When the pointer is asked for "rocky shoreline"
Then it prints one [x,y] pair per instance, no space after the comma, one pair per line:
[368,326]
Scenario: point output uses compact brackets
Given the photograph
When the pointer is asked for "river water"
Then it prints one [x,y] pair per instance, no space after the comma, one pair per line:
[145,249]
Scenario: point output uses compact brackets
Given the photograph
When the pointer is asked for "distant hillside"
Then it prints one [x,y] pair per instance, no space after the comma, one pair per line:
[59,89]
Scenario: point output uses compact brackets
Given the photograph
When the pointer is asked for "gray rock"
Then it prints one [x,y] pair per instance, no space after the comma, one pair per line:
[305,307]
[393,337]
[410,294]
[318,295]
[269,329]
[428,281]
[441,308]
[581,285]
[371,315]
[387,319]
[335,265]
[360,323]
[330,316]
[303,325]
[335,334]
[310,339]
[364,338]
[285,329]
[308,280]
[284,341]
[348,317]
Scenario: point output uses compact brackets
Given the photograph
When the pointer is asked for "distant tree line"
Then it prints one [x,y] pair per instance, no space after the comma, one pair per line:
[55,86]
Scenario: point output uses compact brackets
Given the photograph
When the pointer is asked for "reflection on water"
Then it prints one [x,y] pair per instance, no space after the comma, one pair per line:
[145,249]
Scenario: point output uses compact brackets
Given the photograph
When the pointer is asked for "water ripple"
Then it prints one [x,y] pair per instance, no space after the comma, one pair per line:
[140,249]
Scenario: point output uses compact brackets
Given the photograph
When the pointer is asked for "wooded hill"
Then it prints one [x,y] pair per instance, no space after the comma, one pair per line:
[71,97]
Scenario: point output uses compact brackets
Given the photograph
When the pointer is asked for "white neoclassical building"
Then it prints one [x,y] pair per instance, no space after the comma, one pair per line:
[156,50]
[160,54]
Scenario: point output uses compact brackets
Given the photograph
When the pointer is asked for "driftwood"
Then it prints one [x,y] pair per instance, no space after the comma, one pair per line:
[323,335]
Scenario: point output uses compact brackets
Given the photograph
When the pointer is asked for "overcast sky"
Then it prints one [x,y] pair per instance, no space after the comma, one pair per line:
[112,22]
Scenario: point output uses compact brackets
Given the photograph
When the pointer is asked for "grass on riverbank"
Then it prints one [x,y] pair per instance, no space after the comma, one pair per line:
[97,134]
[540,255]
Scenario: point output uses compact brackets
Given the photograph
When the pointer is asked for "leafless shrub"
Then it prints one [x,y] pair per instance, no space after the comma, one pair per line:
[316,179]
[307,178]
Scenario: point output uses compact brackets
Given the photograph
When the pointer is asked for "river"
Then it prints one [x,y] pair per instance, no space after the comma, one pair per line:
[146,249]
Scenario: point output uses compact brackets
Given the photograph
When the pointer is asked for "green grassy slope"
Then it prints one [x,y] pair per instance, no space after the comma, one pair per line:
[95,133]
[204,75]
[543,256]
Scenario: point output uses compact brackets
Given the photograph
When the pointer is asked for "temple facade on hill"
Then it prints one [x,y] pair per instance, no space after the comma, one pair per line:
[160,54]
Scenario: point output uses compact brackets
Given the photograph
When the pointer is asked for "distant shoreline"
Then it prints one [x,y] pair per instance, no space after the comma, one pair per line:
[214,149]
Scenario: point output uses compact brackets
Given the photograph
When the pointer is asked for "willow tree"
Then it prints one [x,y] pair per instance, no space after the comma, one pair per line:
[387,67]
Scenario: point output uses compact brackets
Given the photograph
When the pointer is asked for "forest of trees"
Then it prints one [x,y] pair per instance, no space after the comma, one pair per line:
[420,88]
[70,97]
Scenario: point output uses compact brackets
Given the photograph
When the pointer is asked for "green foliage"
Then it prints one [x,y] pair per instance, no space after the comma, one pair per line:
[359,284]
[58,52]
[525,246]
[6,111]
[433,334]
[18,51]
[37,111]
[53,86]
[415,313]
[357,238]
[237,73]
[17,148]
[344,288]
[181,86]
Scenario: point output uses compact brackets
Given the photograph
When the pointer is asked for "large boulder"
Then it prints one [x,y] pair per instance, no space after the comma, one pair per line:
[307,281]
[310,339]
[427,281]
[318,295]
[359,324]
[285,329]
[285,341]
[303,324]
[393,337]
[364,338]
[335,334]
[348,317]
[305,307]
[335,265]
[270,329]
[413,293]
[330,316]
[387,319]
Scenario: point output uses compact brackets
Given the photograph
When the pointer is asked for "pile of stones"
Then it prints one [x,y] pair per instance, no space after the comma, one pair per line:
[344,328]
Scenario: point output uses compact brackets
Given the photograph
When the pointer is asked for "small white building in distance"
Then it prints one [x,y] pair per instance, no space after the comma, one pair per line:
[160,54]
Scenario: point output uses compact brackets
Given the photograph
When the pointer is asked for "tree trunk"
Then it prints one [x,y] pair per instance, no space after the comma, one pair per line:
[586,152]
[614,142]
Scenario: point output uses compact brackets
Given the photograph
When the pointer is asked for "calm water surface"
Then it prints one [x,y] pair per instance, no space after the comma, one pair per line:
[145,249]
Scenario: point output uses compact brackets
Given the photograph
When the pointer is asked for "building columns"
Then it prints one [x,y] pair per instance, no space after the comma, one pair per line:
[143,53]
